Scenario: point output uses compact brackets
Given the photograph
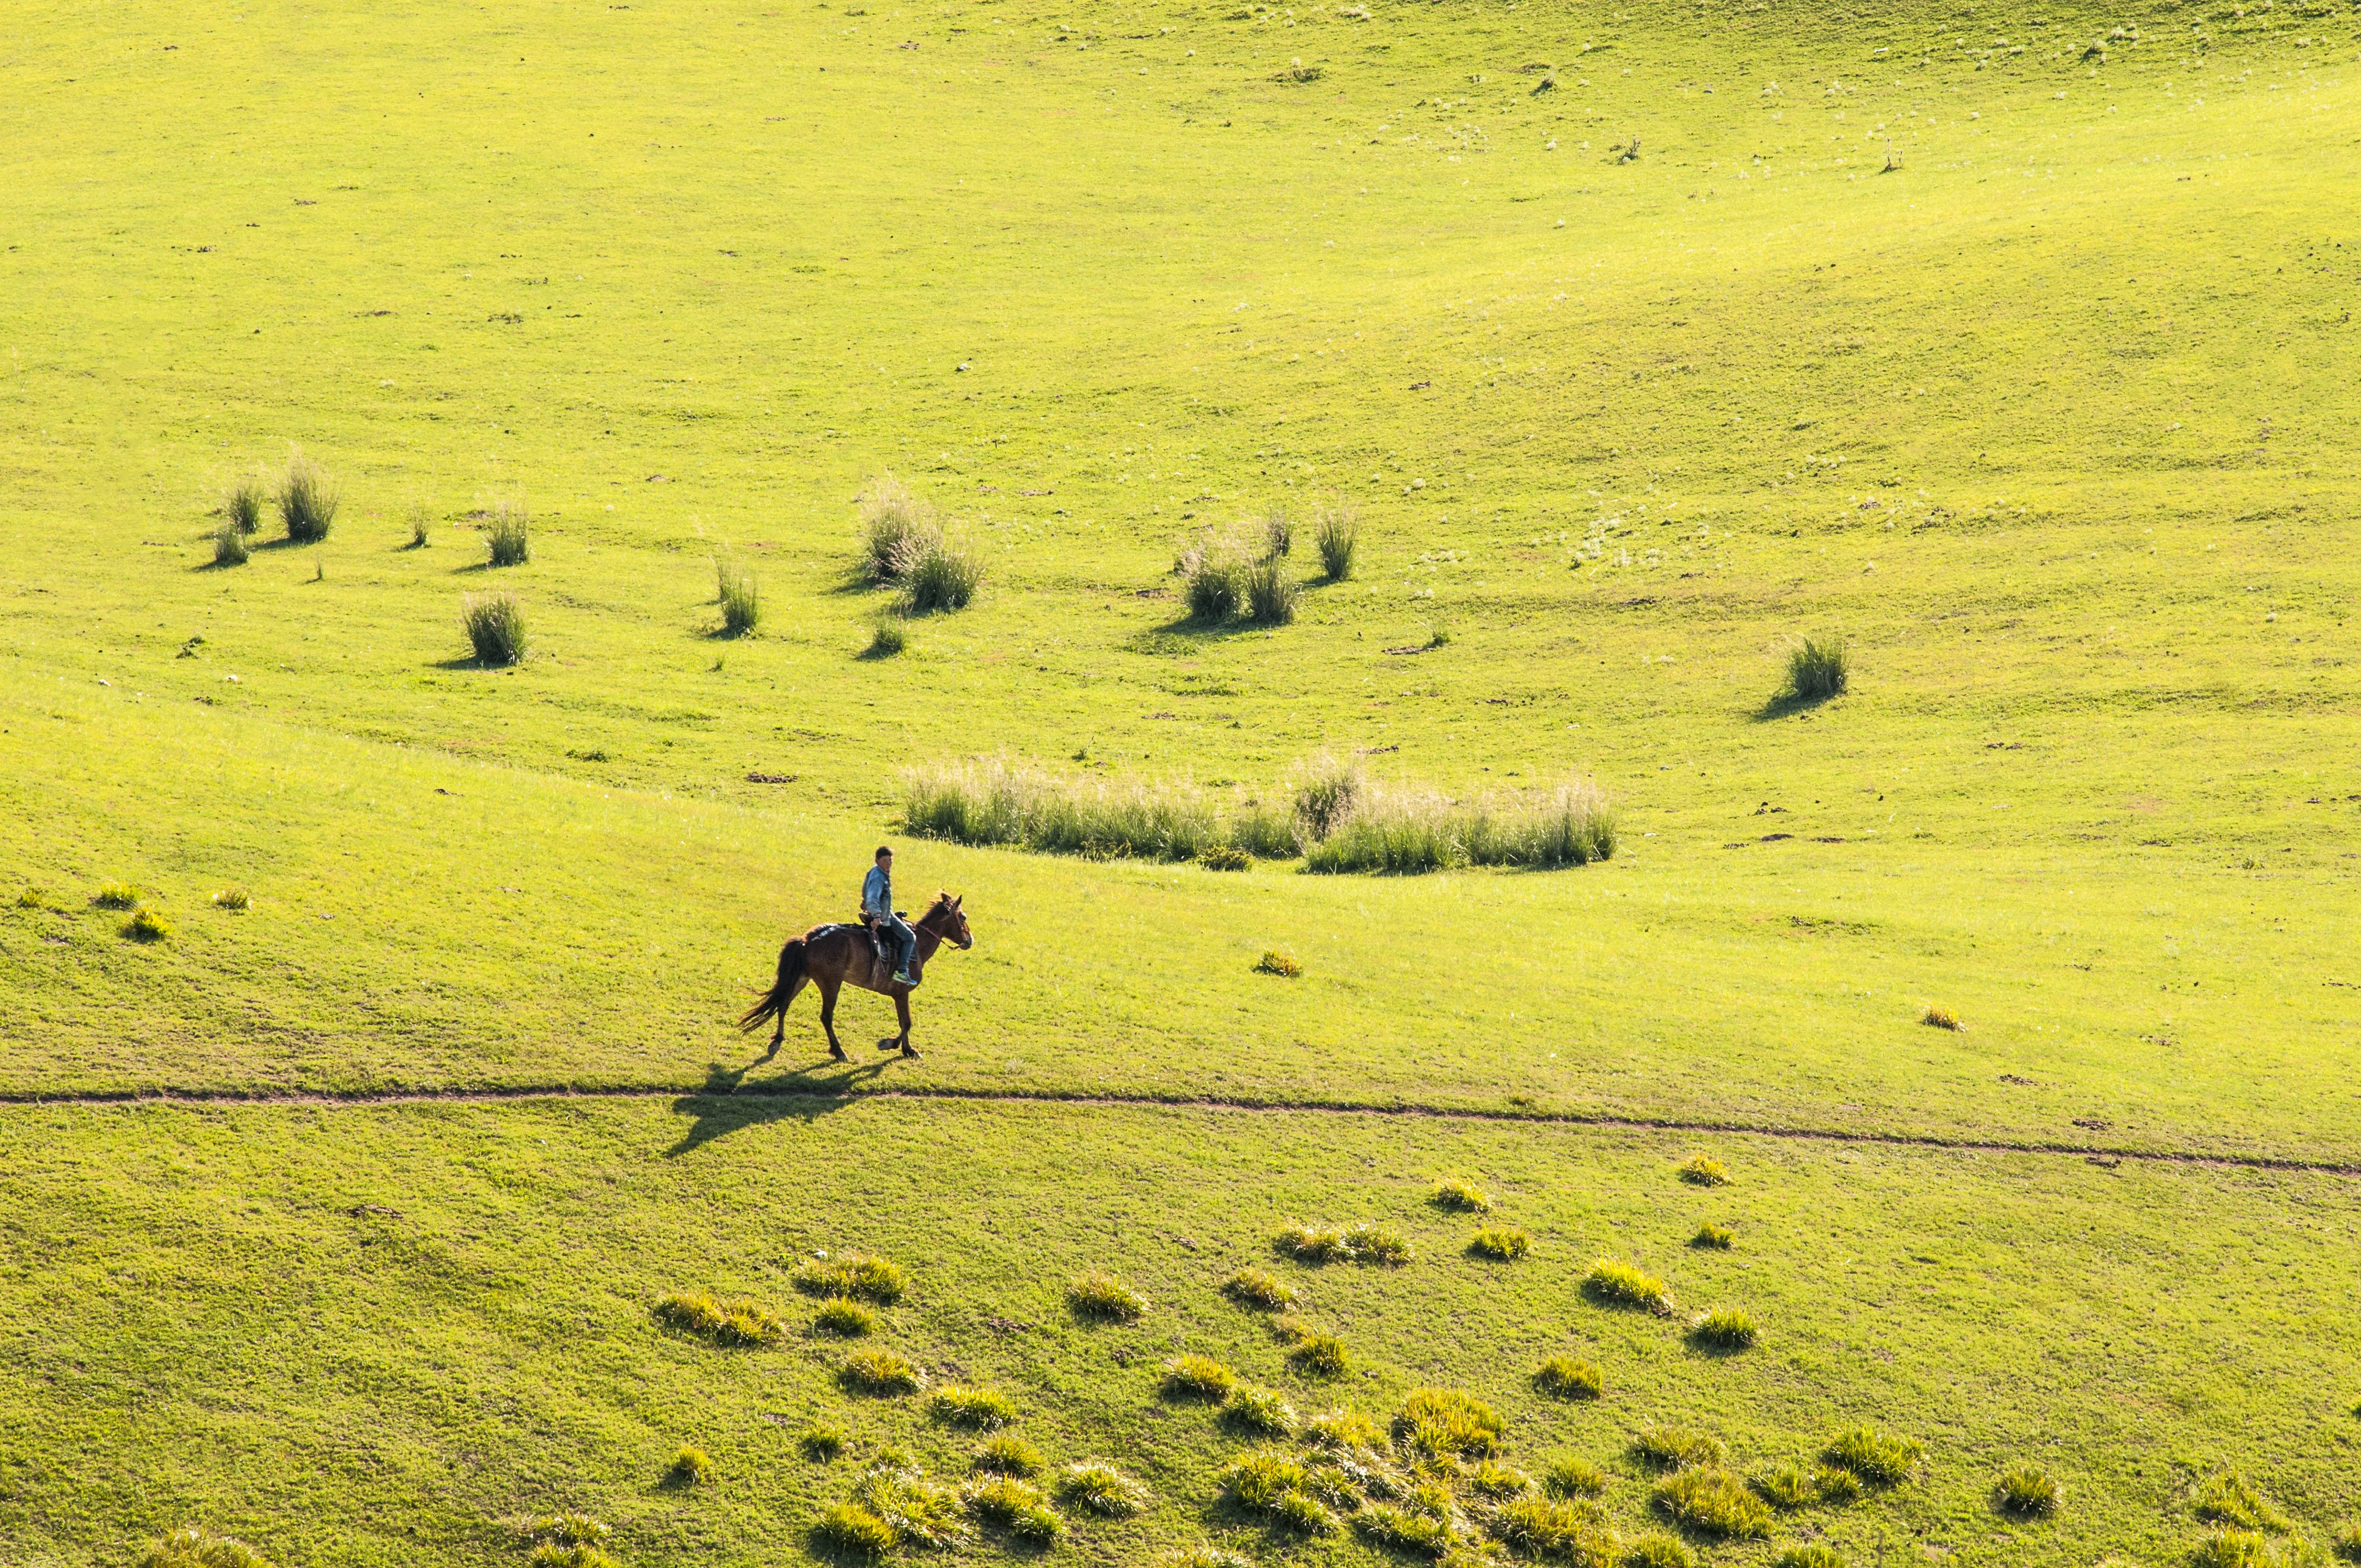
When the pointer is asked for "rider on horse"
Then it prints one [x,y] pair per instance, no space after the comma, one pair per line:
[877,907]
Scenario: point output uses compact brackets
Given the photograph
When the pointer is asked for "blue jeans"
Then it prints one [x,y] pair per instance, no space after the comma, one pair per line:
[906,941]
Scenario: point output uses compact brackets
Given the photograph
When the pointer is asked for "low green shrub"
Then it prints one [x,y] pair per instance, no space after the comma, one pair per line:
[1223,857]
[1878,1458]
[879,1372]
[146,926]
[1017,1507]
[1105,1299]
[1677,1448]
[921,1513]
[1258,1288]
[978,1409]
[848,1319]
[1263,1412]
[1568,1377]
[887,637]
[1813,1555]
[1198,1377]
[190,1547]
[1447,1421]
[1460,1195]
[1319,1356]
[1616,1284]
[2228,1497]
[1703,1170]
[820,1443]
[690,1466]
[847,1529]
[233,898]
[307,499]
[723,1322]
[1502,1244]
[1724,1328]
[740,597]
[495,627]
[2027,1491]
[1657,1550]
[1005,1453]
[508,532]
[117,895]
[1714,1237]
[1570,1477]
[229,545]
[1554,1530]
[1494,1479]
[1270,594]
[1817,671]
[1710,1501]
[1282,964]
[1336,533]
[1100,1488]
[855,1275]
[937,572]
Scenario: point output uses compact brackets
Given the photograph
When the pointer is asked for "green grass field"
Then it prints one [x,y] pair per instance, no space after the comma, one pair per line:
[2011,344]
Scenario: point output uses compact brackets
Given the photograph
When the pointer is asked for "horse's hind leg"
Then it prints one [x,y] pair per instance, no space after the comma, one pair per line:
[828,1020]
[902,1008]
[779,1034]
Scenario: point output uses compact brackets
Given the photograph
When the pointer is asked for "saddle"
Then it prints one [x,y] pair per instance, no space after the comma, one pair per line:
[882,948]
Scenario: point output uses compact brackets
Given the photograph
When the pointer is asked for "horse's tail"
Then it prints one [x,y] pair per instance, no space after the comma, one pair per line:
[774,1001]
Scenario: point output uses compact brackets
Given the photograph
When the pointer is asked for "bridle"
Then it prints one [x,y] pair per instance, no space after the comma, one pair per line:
[962,939]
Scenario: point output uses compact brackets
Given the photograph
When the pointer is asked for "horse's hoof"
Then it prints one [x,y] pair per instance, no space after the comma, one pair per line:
[838,1053]
[910,1051]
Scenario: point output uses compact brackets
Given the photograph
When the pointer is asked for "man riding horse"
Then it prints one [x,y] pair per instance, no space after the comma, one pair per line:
[836,955]
[884,920]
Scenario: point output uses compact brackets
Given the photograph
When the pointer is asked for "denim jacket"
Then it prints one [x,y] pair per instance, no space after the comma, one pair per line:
[877,893]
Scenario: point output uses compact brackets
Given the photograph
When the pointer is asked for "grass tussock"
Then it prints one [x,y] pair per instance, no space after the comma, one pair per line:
[233,898]
[1005,1453]
[566,1529]
[242,502]
[508,531]
[1571,1477]
[422,518]
[116,895]
[1016,1507]
[1817,671]
[1270,594]
[146,926]
[1438,1421]
[1703,1170]
[1403,1530]
[555,1554]
[1677,1448]
[190,1547]
[846,1320]
[1204,1555]
[1657,1550]
[1812,1555]
[2027,1491]
[1614,1283]
[879,1372]
[891,517]
[1495,1480]
[1319,1356]
[1225,858]
[1336,534]
[1725,1328]
[1787,1487]
[887,637]
[1711,1237]
[1098,1487]
[738,594]
[847,1529]
[1461,1196]
[2346,1542]
[820,1443]
[1262,1411]
[1711,1501]
[998,801]
[1198,1377]
[1554,1531]
[1407,832]
[2241,1549]
[1879,1459]
[1301,1513]
[1363,1243]
[1258,1288]
[720,1322]
[855,1276]
[1282,964]
[1502,1244]
[1937,1017]
[307,499]
[1256,1481]
[921,1513]
[495,627]
[690,1466]
[938,572]
[977,1410]
[229,545]
[1321,790]
[1568,1377]
[2228,1497]
[1102,1298]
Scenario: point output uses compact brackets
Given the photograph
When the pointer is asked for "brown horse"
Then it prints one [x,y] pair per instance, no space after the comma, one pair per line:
[832,957]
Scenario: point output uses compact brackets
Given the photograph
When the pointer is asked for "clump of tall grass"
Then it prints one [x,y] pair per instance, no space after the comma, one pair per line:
[1816,671]
[1336,533]
[1616,1284]
[1412,830]
[853,1273]
[1724,1328]
[891,517]
[690,1466]
[32,898]
[1710,1500]
[190,1547]
[1278,531]
[2236,1548]
[1095,1484]
[978,1409]
[1568,1377]
[1224,858]
[847,1529]
[999,802]
[146,926]
[1302,1513]
[1401,831]
[1554,1530]
[1204,1555]
[421,519]
[879,1372]
[1704,1170]
[1261,1410]
[551,1554]
[1571,825]
[242,502]
[1811,1555]
[1256,1481]
[1017,1507]
[1446,1421]
[117,895]
[1494,1479]
[1258,1288]
[1405,1530]
[1270,594]
[820,1443]
[1257,828]
[1714,1238]
[1570,1477]
[739,595]
[1502,1244]
[1460,1195]
[724,1323]
[1104,1298]
[1313,1243]
[847,1319]
[2027,1491]
[1657,1550]
[2228,1497]
[887,637]
[566,1529]
[1346,1430]
[307,499]
[1322,789]
[919,1512]
[229,545]
[1787,1487]
[1317,1355]
[495,627]
[1005,1453]
[1213,584]
[937,572]
[1879,1458]
[1937,1017]
[233,898]
[1198,1377]
[1279,962]
[1677,1448]
[508,532]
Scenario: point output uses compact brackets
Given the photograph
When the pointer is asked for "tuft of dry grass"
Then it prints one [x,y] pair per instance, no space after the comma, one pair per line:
[1713,1237]
[1567,1377]
[1439,1421]
[1005,1453]
[1703,1170]
[847,1529]
[891,516]
[1878,1458]
[1102,1298]
[1256,1481]
[921,1513]
[855,1275]
[2228,1497]
[1571,1477]
[1616,1284]
[848,1319]
[1258,1288]
[1017,1507]
[1942,1018]
[690,1466]
[1319,1356]
[1344,1430]
[1502,1244]
[1724,1328]
[723,1322]
[1710,1501]
[1374,1244]
[978,1409]
[190,1547]
[1460,1195]
[1260,1411]
[820,1443]
[879,1372]
[2027,1491]
[1100,1488]
[1198,1377]
[1677,1448]
[1555,1531]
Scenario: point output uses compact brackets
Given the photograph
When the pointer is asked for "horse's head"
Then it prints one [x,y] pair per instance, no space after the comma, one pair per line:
[949,921]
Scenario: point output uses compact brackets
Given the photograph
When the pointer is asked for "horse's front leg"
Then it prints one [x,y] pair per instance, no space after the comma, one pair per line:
[828,1020]
[902,1010]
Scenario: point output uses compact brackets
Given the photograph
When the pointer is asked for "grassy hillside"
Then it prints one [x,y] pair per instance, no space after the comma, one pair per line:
[2010,344]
